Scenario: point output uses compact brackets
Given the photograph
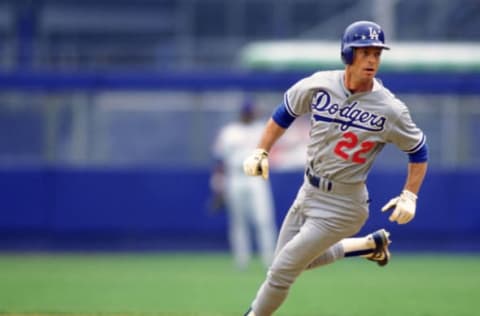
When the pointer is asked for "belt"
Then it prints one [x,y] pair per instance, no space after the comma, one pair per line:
[327,185]
[319,182]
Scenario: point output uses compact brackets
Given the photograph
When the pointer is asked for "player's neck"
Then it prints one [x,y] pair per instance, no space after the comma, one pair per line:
[355,84]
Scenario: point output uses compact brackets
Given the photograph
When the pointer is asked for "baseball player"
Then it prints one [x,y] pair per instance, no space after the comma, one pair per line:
[352,116]
[249,200]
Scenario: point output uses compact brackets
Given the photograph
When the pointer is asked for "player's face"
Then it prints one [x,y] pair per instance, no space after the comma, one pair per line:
[366,62]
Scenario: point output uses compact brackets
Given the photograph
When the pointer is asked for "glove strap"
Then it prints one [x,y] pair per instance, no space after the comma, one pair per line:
[409,195]
[260,151]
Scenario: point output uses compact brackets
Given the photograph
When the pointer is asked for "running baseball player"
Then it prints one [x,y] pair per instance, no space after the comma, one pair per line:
[352,116]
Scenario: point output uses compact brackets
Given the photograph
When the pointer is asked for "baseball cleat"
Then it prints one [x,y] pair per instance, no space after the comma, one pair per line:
[380,254]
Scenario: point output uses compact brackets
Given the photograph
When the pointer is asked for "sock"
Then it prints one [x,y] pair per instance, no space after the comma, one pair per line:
[361,246]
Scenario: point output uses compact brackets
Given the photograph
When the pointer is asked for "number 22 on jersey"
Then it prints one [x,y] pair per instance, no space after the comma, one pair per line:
[349,142]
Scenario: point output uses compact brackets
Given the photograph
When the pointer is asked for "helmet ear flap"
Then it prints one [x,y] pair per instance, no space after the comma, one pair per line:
[347,55]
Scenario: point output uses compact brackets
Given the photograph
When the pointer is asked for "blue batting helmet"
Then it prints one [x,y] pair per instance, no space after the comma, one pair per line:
[361,34]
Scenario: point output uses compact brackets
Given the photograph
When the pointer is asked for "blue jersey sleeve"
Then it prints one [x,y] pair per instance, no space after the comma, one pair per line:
[421,155]
[282,117]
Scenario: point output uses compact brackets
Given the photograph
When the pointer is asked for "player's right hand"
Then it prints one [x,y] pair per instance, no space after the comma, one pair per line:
[257,164]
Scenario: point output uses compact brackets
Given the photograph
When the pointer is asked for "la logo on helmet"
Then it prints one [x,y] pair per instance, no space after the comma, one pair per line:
[373,33]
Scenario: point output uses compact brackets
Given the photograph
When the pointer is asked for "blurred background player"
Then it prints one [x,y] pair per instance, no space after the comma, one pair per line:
[248,200]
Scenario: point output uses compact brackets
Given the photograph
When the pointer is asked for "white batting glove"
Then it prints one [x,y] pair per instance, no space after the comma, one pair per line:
[405,206]
[257,164]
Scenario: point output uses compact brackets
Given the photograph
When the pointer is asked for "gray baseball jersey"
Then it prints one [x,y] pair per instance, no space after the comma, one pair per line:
[349,131]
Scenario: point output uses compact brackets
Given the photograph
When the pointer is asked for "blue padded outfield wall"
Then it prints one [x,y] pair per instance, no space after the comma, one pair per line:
[55,205]
[159,209]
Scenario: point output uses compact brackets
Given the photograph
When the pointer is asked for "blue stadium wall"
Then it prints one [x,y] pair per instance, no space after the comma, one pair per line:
[64,209]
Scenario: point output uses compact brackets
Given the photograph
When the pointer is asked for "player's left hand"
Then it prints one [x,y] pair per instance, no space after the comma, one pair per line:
[405,206]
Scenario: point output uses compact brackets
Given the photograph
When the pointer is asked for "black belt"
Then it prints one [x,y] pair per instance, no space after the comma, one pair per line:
[319,182]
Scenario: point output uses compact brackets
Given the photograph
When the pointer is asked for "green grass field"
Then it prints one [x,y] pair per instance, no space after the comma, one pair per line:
[208,285]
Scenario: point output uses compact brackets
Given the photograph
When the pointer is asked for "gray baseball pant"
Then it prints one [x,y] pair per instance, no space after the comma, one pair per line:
[309,237]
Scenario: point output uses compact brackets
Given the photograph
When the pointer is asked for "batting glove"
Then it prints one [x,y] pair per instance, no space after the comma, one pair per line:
[405,206]
[257,164]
